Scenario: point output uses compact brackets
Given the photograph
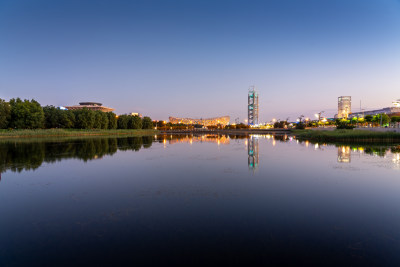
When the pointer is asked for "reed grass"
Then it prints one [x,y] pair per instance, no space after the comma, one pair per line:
[73,132]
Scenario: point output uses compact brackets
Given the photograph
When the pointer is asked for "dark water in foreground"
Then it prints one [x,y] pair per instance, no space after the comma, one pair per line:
[198,200]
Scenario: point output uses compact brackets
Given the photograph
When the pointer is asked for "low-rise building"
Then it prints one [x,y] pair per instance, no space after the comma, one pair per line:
[206,122]
[391,111]
[90,105]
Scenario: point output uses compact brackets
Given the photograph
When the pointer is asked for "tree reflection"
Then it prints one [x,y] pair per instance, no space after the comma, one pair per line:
[30,155]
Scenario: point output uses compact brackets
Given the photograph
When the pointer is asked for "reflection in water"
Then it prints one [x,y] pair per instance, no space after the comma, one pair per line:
[218,139]
[344,154]
[18,155]
[252,151]
[29,155]
[181,204]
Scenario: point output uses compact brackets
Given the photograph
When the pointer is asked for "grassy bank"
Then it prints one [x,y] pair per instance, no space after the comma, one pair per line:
[72,132]
[348,136]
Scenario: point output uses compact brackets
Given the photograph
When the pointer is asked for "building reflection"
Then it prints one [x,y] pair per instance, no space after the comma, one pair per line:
[252,151]
[344,154]
[218,139]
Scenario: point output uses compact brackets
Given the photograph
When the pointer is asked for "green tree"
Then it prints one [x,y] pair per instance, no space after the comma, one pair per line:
[26,114]
[368,118]
[343,124]
[52,117]
[395,119]
[147,123]
[97,120]
[123,121]
[300,125]
[381,119]
[5,114]
[135,122]
[67,119]
[104,120]
[112,120]
[84,118]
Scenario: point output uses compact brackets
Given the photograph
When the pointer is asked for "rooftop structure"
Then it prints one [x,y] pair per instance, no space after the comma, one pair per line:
[90,105]
[252,106]
[391,111]
[206,122]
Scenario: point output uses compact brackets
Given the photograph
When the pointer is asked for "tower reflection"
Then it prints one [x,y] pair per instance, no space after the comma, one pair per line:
[252,151]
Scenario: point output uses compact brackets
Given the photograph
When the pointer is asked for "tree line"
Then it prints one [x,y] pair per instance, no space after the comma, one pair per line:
[29,114]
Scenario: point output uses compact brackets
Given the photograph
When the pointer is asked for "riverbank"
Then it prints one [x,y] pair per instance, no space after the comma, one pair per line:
[74,132]
[360,136]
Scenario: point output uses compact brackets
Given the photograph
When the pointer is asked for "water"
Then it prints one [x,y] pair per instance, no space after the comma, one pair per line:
[198,200]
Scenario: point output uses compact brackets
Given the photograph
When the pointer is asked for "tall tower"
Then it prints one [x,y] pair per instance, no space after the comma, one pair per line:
[252,106]
[344,107]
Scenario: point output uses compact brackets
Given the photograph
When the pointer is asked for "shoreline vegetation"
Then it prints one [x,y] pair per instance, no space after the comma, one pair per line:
[355,136]
[27,133]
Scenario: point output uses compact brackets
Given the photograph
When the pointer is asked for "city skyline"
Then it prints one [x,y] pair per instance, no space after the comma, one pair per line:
[197,59]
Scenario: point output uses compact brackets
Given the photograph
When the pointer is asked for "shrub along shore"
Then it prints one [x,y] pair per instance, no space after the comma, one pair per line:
[74,132]
[347,136]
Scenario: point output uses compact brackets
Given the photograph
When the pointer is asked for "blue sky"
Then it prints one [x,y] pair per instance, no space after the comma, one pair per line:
[198,58]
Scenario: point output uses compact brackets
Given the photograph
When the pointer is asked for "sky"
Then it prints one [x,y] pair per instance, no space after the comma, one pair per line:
[198,58]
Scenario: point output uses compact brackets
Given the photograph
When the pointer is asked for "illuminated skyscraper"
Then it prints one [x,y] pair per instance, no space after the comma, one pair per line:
[252,107]
[344,107]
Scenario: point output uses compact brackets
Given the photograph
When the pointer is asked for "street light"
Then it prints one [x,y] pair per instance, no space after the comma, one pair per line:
[318,115]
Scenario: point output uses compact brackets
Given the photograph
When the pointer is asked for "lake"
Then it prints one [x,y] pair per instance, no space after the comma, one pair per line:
[198,200]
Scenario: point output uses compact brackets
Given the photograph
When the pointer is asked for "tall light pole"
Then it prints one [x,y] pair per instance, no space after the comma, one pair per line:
[318,115]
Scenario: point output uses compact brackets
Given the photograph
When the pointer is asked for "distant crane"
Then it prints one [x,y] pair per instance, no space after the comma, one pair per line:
[237,120]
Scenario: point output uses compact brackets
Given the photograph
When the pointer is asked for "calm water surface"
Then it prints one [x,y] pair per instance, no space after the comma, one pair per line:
[198,200]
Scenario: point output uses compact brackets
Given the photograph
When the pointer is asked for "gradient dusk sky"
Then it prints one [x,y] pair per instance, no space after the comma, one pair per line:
[198,58]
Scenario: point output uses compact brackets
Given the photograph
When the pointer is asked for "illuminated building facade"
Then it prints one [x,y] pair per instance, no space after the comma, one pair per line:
[344,107]
[206,122]
[252,106]
[136,114]
[90,105]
